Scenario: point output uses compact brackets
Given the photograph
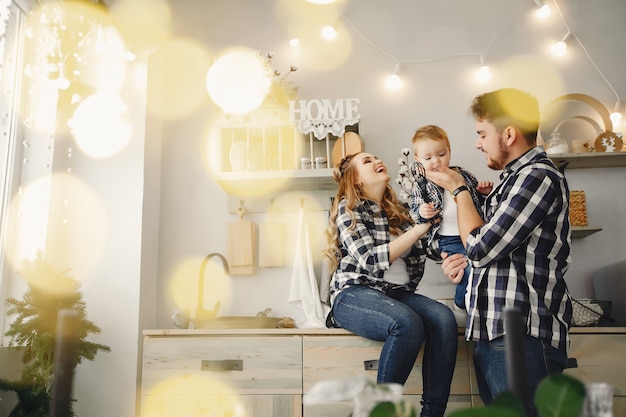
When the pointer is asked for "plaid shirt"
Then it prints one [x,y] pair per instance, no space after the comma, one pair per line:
[434,193]
[520,255]
[365,250]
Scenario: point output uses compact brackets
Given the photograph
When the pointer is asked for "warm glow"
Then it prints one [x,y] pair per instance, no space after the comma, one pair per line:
[184,286]
[58,215]
[393,82]
[100,125]
[483,74]
[144,24]
[183,394]
[559,48]
[238,81]
[294,42]
[329,33]
[544,12]
[177,74]
[616,117]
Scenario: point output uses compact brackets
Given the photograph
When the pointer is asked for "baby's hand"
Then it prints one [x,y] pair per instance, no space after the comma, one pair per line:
[484,187]
[427,210]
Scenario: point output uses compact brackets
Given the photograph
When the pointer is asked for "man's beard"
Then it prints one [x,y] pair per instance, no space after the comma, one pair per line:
[499,162]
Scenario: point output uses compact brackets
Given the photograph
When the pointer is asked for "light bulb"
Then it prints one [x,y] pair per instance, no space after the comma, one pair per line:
[559,48]
[393,82]
[329,33]
[294,43]
[543,12]
[483,74]
[616,117]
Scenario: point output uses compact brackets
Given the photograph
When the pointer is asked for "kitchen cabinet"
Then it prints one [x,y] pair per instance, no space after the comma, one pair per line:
[267,371]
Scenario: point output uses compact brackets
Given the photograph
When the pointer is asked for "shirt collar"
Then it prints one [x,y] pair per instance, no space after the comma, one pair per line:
[524,159]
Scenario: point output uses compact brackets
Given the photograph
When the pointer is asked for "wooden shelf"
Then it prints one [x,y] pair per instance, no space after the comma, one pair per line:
[245,183]
[579,232]
[589,160]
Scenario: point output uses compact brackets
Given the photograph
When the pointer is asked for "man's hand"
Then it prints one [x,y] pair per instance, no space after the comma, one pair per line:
[453,266]
[446,178]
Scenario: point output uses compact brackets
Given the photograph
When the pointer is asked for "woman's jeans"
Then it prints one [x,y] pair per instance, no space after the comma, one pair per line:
[404,321]
[540,360]
[451,245]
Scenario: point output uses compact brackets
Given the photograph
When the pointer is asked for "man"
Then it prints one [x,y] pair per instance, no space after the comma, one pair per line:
[520,253]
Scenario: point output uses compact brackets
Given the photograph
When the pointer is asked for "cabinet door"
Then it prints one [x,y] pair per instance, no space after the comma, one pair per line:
[193,374]
[600,358]
[345,357]
[213,405]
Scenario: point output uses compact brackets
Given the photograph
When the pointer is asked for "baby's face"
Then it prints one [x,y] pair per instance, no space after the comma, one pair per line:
[432,154]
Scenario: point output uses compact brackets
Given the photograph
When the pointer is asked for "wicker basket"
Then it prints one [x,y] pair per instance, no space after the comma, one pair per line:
[577,208]
[590,312]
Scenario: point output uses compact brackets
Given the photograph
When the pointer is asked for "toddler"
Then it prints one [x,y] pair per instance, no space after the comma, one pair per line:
[431,149]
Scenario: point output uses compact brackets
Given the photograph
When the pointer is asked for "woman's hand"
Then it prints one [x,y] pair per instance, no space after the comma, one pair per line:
[420,230]
[453,266]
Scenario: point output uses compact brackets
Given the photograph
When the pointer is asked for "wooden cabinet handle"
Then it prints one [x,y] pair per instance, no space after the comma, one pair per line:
[221,365]
[371,365]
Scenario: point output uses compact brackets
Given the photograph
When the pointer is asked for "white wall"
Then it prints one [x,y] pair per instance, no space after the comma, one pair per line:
[194,209]
[107,385]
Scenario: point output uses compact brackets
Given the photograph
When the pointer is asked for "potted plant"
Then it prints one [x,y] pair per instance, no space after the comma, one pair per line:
[556,396]
[33,330]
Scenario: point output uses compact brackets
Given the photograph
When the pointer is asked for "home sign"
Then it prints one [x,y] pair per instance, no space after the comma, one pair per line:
[322,117]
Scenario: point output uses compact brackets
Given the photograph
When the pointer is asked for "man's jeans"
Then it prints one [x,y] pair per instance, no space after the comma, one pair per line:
[540,359]
[404,321]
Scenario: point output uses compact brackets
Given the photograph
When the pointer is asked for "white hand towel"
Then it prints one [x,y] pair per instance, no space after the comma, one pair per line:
[304,290]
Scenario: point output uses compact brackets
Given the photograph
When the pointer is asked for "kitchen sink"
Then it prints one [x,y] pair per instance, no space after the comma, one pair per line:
[236,322]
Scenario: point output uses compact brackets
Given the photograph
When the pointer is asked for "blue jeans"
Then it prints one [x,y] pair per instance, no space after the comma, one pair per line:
[404,321]
[540,358]
[451,245]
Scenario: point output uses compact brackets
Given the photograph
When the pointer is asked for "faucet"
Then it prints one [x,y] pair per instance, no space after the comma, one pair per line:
[200,311]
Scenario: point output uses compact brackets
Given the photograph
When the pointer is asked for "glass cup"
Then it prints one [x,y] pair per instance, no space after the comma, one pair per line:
[598,400]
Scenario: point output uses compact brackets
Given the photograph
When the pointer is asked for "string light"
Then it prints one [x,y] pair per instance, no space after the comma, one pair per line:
[329,33]
[543,10]
[394,82]
[560,48]
[484,73]
[582,46]
[616,116]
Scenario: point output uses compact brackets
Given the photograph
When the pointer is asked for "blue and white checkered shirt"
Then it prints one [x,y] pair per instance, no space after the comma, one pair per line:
[520,255]
[365,250]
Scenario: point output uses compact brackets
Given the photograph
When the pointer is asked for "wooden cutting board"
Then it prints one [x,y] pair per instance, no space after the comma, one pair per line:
[240,239]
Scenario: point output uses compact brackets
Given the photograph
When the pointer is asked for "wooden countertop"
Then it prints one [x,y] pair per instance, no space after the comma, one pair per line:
[323,332]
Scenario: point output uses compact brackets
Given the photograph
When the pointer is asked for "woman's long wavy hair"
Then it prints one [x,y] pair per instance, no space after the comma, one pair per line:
[346,176]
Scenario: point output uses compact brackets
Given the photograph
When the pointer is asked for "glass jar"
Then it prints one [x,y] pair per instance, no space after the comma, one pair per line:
[556,144]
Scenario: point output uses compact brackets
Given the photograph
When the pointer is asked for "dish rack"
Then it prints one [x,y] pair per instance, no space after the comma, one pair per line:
[253,148]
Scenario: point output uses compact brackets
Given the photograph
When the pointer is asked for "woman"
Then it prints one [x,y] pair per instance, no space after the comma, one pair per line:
[378,257]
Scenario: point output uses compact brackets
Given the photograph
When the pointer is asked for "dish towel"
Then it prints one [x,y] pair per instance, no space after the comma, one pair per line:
[304,290]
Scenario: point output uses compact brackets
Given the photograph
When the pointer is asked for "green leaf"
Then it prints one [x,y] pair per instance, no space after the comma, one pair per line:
[559,396]
[390,409]
[384,409]
[505,404]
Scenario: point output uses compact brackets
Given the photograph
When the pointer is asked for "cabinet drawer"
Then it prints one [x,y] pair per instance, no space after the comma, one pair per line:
[247,365]
[600,358]
[343,357]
